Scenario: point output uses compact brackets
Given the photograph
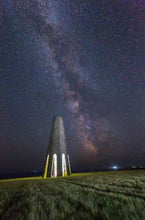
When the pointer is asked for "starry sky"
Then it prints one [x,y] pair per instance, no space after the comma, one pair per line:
[83,60]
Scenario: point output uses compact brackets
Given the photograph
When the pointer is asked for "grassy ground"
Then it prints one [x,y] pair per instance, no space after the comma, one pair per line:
[118,195]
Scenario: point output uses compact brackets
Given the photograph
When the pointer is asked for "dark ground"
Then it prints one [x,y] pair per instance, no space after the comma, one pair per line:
[118,195]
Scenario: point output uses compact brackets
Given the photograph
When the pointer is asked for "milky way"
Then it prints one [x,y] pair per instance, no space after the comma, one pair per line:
[83,60]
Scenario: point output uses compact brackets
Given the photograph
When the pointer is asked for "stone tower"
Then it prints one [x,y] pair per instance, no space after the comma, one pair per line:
[57,160]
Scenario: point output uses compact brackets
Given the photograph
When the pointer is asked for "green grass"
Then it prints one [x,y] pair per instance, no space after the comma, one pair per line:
[118,195]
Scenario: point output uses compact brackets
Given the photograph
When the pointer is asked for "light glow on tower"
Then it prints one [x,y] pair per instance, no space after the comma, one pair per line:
[54,166]
[64,169]
[46,166]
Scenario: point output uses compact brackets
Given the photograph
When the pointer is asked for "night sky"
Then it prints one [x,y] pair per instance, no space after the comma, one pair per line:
[80,59]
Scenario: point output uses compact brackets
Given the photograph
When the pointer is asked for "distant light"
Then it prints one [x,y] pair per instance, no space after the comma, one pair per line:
[34,171]
[115,167]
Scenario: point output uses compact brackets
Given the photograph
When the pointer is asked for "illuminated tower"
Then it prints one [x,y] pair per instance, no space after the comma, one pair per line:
[57,161]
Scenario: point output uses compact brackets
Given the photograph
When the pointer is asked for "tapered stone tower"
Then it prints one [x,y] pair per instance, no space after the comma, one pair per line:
[57,160]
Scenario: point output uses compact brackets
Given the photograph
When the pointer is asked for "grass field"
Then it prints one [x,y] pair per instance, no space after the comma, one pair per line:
[118,195]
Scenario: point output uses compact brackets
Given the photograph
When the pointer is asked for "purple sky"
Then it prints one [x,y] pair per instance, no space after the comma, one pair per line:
[83,60]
